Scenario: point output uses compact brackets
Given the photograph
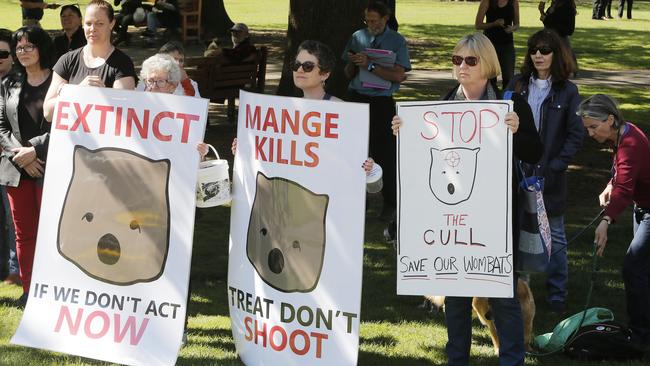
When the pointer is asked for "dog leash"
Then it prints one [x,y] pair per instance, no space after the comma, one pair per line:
[579,233]
[592,280]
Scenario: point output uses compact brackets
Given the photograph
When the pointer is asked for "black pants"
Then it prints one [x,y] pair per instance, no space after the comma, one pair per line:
[123,21]
[598,9]
[381,140]
[506,56]
[621,5]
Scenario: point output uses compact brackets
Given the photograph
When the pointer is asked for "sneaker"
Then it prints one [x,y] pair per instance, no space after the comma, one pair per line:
[12,279]
[390,239]
[22,301]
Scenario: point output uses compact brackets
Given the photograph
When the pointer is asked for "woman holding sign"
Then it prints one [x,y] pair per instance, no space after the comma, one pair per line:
[312,67]
[475,64]
[97,63]
[630,183]
[24,136]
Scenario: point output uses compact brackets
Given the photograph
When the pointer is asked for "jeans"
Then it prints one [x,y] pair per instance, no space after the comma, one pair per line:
[558,268]
[636,276]
[7,235]
[506,313]
[153,22]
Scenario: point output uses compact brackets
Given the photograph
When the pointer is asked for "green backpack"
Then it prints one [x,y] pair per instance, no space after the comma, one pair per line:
[555,341]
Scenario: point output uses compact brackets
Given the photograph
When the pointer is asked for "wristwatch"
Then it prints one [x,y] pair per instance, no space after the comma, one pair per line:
[607,219]
[371,66]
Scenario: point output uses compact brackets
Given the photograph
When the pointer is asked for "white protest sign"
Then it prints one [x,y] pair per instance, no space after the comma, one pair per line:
[296,230]
[454,201]
[116,225]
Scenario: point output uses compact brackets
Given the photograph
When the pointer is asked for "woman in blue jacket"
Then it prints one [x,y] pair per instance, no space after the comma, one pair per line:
[554,100]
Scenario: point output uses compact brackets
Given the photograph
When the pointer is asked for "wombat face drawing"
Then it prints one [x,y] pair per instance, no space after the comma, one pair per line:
[286,234]
[452,174]
[115,220]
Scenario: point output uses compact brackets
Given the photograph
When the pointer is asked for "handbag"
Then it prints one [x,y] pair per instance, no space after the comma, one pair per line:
[534,251]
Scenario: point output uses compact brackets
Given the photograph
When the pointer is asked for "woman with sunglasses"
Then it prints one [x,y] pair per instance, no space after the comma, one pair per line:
[97,63]
[630,184]
[554,100]
[24,136]
[312,67]
[475,66]
[499,19]
[73,33]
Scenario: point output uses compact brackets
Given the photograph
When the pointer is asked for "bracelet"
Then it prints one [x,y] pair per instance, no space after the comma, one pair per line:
[608,220]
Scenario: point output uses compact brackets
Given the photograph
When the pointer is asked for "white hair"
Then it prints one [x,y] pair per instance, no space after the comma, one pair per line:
[162,62]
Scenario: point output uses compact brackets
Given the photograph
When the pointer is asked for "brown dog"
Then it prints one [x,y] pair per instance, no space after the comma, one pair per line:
[481,307]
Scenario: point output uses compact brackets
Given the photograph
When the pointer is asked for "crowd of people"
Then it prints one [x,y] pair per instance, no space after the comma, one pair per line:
[548,124]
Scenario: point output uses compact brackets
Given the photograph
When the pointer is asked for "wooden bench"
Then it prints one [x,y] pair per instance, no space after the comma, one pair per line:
[220,82]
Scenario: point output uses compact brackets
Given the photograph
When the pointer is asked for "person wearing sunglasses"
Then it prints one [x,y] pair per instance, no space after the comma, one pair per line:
[629,184]
[499,19]
[312,68]
[544,82]
[97,63]
[378,35]
[73,33]
[476,64]
[8,235]
[24,137]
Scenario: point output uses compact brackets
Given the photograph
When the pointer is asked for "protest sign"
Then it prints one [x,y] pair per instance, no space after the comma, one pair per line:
[116,225]
[296,230]
[454,200]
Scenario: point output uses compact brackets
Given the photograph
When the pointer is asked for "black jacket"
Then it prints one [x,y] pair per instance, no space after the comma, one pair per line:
[561,132]
[10,136]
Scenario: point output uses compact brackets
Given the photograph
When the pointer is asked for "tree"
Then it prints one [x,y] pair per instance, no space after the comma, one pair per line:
[329,21]
[215,19]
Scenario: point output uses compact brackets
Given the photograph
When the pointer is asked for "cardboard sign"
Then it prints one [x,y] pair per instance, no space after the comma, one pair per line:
[116,225]
[454,200]
[296,230]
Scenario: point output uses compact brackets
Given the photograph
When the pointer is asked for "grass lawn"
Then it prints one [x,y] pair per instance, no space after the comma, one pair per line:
[394,331]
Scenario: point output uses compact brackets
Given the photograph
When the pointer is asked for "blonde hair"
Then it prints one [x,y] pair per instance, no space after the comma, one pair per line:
[480,46]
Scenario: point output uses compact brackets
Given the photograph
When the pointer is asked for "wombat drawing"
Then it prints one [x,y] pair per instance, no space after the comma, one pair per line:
[452,174]
[286,234]
[115,220]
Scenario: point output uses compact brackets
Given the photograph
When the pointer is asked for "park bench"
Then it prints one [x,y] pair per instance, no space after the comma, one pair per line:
[190,10]
[220,81]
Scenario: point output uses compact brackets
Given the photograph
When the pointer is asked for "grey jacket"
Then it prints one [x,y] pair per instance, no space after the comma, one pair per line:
[10,136]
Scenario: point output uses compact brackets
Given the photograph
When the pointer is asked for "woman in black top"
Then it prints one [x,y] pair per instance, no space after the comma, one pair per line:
[24,136]
[499,19]
[561,17]
[98,63]
[73,34]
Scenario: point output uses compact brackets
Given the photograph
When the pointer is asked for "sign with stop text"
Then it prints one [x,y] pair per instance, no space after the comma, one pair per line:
[116,225]
[454,199]
[296,230]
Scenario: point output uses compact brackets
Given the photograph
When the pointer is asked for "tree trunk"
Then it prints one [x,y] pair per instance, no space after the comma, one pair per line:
[329,21]
[215,19]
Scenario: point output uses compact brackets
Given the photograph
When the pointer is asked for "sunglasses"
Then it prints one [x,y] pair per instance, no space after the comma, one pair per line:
[307,66]
[469,60]
[544,50]
[4,54]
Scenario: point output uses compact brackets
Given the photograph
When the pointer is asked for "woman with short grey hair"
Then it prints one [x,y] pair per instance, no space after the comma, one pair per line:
[629,184]
[160,73]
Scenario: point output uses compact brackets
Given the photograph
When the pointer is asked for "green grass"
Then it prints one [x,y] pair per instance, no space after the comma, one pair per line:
[433,28]
[394,331]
